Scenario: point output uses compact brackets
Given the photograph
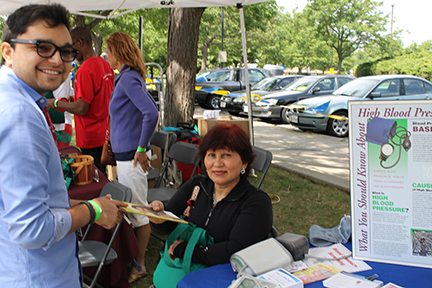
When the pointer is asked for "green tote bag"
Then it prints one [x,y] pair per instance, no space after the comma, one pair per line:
[168,272]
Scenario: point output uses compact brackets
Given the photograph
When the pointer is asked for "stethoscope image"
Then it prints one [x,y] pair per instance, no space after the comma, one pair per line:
[381,131]
[387,149]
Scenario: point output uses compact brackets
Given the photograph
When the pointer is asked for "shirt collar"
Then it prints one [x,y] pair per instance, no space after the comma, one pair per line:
[40,100]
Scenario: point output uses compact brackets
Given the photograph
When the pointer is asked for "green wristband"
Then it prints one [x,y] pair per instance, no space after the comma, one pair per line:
[55,102]
[97,208]
[140,149]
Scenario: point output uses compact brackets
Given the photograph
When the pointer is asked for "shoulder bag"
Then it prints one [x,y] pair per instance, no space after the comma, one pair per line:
[107,157]
[168,272]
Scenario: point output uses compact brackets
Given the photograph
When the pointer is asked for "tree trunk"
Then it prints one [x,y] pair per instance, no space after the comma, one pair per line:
[183,32]
[97,39]
[204,51]
[340,59]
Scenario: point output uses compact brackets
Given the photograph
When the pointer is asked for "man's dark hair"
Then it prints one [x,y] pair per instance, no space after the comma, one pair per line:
[82,33]
[18,22]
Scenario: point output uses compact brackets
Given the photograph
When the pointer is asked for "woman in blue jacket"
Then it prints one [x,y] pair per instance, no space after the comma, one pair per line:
[134,116]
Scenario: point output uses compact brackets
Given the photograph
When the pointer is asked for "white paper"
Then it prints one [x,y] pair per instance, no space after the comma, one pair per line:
[283,278]
[345,281]
[335,251]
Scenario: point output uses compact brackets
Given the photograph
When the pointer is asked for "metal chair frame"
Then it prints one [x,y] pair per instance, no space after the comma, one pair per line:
[96,253]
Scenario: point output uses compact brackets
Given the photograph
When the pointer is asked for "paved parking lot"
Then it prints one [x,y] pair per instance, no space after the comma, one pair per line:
[318,156]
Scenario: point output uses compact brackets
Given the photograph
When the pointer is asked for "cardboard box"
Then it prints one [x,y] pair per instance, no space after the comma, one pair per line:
[156,163]
[206,124]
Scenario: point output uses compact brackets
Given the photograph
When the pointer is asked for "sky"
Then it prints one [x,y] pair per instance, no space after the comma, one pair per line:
[413,16]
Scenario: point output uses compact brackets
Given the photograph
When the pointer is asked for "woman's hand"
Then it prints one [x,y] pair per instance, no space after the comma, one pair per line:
[172,247]
[156,206]
[142,159]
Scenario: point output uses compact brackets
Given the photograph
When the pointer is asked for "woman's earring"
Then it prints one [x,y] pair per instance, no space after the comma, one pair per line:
[243,171]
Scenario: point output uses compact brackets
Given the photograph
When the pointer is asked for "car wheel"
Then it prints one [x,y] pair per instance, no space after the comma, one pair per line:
[285,116]
[338,128]
[213,102]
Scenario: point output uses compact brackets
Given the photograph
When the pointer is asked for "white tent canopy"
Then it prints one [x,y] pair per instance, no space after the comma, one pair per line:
[78,6]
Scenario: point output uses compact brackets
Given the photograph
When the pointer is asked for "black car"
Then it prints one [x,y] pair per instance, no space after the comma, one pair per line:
[274,104]
[208,94]
[233,102]
[213,75]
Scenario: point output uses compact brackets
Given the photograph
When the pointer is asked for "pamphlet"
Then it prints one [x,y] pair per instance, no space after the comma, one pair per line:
[346,264]
[338,256]
[346,280]
[149,212]
[335,251]
[298,266]
[283,278]
[316,272]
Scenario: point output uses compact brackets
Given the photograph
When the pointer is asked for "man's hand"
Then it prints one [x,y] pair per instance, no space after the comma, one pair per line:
[109,216]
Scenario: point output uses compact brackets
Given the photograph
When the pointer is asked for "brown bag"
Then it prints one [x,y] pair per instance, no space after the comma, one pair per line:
[107,157]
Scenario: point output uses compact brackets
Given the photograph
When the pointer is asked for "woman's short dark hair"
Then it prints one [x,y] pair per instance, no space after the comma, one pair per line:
[18,22]
[231,137]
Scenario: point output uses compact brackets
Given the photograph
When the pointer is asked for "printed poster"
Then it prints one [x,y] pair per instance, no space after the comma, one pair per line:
[391,181]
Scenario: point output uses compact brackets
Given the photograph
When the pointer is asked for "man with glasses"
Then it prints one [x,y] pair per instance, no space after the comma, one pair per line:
[38,243]
[94,83]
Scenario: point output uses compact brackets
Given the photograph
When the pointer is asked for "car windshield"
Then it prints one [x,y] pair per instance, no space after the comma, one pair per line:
[223,77]
[356,88]
[265,84]
[203,73]
[301,84]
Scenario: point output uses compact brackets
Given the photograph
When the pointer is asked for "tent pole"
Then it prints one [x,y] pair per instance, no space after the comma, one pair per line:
[246,69]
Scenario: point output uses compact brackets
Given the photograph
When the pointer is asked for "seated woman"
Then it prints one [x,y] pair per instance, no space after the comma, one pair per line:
[233,211]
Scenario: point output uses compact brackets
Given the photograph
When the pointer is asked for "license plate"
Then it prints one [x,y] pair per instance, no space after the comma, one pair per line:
[294,118]
[222,104]
[245,109]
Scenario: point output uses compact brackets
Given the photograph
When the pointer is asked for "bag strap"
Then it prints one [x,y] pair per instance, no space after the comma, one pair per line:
[193,241]
[176,233]
[191,202]
[107,135]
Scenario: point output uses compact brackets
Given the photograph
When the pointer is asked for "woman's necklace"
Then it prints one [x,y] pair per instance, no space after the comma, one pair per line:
[214,198]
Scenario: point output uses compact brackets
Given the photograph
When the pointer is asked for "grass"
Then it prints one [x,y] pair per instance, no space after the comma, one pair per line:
[302,204]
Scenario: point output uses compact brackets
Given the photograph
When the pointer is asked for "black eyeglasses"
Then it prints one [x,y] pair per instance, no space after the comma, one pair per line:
[47,49]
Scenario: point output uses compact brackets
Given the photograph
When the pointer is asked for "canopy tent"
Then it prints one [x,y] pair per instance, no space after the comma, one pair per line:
[78,6]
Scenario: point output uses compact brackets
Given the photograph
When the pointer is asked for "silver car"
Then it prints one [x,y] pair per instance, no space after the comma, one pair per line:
[329,113]
[273,105]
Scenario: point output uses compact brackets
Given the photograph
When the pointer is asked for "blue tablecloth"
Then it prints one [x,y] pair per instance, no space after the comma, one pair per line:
[221,276]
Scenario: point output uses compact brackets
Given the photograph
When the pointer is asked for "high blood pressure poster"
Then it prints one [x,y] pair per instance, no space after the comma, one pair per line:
[391,181]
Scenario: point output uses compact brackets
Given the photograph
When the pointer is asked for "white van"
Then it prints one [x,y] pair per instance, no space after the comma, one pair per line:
[274,69]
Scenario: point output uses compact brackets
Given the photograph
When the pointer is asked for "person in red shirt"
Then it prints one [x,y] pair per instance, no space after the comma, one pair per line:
[94,83]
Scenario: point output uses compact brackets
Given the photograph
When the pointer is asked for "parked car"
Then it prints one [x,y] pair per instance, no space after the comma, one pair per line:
[212,75]
[273,105]
[233,102]
[274,69]
[208,94]
[329,113]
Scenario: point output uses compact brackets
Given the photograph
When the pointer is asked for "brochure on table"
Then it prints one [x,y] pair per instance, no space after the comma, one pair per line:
[391,181]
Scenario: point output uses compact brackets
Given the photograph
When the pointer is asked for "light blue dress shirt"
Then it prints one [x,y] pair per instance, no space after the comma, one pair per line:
[34,248]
